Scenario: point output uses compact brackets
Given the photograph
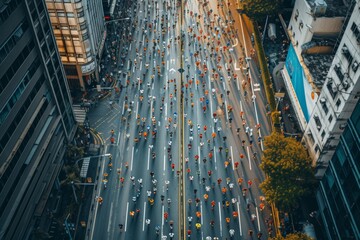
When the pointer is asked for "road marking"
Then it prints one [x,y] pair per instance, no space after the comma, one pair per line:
[126,216]
[220,219]
[137,108]
[232,157]
[201,213]
[132,159]
[226,112]
[238,84]
[248,152]
[235,43]
[257,216]
[111,211]
[133,68]
[199,161]
[128,65]
[223,83]
[162,220]
[167,65]
[130,47]
[241,107]
[164,158]
[159,123]
[165,105]
[123,108]
[144,216]
[214,150]
[141,65]
[238,208]
[148,165]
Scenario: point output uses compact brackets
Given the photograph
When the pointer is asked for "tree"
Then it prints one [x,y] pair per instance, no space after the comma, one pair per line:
[294,236]
[258,9]
[288,169]
[74,152]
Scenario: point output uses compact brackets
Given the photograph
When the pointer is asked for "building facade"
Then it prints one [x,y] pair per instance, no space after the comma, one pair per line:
[36,116]
[321,72]
[79,30]
[338,195]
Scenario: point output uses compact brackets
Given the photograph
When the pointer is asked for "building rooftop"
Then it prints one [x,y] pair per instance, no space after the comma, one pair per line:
[328,8]
[318,65]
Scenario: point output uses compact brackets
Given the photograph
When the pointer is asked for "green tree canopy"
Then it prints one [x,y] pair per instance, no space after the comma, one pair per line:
[294,236]
[288,169]
[258,9]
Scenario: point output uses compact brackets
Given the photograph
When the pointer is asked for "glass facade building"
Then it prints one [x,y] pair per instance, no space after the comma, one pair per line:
[36,116]
[338,195]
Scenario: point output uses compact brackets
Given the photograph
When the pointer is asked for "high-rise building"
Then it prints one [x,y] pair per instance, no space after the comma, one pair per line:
[36,117]
[338,195]
[80,34]
[321,72]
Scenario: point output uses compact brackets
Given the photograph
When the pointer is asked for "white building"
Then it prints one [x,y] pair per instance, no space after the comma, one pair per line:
[79,30]
[320,72]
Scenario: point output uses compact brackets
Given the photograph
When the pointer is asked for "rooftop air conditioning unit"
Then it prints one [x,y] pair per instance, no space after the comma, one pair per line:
[322,100]
[320,7]
[345,50]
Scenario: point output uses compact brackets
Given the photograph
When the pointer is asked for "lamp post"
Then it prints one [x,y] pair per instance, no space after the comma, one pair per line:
[76,163]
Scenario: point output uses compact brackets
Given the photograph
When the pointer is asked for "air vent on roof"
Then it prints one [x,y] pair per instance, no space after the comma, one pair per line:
[355,66]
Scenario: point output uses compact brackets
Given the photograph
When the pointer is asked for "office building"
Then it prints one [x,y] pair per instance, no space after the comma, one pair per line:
[321,72]
[338,195]
[36,116]
[80,34]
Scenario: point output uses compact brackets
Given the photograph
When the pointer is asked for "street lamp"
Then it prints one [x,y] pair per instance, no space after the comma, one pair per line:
[117,20]
[102,155]
[84,169]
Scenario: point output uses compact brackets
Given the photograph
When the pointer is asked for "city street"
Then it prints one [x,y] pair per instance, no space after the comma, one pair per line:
[183,164]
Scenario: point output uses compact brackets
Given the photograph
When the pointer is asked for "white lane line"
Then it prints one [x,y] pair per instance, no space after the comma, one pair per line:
[130,47]
[126,216]
[257,216]
[128,65]
[237,83]
[226,111]
[242,30]
[148,163]
[133,68]
[144,216]
[151,107]
[202,223]
[224,86]
[164,158]
[199,161]
[152,87]
[162,220]
[167,65]
[165,106]
[220,219]
[214,150]
[137,108]
[248,152]
[238,208]
[232,157]
[141,65]
[196,87]
[111,211]
[123,108]
[241,107]
[132,159]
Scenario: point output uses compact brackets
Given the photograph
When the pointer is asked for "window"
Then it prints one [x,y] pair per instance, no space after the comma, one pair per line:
[338,72]
[317,122]
[345,51]
[324,105]
[322,135]
[331,89]
[296,15]
[338,103]
[330,118]
[301,25]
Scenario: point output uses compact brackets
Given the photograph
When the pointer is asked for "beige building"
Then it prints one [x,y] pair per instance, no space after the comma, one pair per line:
[79,31]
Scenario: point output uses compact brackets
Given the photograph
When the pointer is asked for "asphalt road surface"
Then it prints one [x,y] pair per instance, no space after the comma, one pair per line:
[190,136]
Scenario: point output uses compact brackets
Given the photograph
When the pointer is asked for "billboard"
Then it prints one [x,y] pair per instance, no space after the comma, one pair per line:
[303,89]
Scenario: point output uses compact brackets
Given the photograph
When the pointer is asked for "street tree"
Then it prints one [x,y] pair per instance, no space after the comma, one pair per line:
[294,236]
[287,166]
[74,152]
[258,9]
